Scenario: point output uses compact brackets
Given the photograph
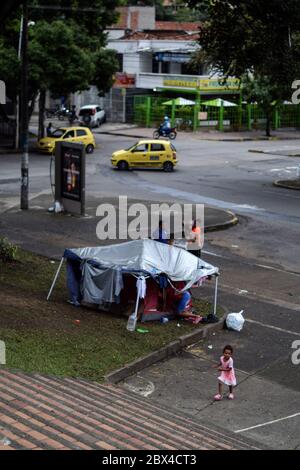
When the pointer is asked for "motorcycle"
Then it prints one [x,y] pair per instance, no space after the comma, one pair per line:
[59,113]
[160,132]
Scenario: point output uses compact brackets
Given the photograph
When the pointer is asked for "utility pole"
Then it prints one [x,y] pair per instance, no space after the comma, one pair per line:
[24,111]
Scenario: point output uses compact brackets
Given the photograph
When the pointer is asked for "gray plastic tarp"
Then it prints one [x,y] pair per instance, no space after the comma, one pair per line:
[145,256]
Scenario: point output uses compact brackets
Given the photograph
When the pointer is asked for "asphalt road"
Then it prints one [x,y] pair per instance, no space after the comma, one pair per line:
[259,262]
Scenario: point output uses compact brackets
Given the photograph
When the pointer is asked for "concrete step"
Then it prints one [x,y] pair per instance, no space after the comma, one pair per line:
[42,412]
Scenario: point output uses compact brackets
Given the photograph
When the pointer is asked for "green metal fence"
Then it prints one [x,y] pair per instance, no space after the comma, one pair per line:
[149,111]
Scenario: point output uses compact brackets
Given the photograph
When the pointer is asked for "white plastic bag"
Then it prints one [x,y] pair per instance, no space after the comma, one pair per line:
[235,321]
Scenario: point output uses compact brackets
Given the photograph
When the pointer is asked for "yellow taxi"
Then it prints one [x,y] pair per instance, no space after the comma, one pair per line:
[159,154]
[68,134]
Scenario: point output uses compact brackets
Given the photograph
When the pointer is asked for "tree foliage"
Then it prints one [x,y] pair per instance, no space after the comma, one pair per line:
[257,37]
[65,48]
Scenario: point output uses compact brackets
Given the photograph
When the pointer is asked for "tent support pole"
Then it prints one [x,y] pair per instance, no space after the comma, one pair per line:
[216,295]
[136,305]
[55,278]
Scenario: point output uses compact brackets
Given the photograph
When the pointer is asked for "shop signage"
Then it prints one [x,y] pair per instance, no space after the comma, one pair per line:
[207,84]
[124,80]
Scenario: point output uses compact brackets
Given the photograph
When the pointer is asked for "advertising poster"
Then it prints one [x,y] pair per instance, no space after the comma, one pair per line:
[71,180]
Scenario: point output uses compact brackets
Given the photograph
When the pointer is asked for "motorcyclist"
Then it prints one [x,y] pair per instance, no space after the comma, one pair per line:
[166,125]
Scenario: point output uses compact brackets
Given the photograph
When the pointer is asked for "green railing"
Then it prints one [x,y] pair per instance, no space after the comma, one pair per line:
[149,111]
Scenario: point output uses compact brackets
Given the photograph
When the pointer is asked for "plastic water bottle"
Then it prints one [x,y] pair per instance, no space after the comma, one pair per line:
[131,324]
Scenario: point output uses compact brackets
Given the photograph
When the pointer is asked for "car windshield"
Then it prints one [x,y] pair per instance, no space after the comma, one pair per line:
[58,133]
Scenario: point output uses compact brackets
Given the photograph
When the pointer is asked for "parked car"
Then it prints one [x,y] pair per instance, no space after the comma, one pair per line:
[159,154]
[92,115]
[69,134]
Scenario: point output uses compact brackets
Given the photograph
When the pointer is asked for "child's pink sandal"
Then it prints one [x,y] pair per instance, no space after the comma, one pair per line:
[218,397]
[230,396]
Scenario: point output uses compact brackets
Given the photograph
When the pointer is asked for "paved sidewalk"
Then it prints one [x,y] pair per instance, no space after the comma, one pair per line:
[49,234]
[130,130]
[38,412]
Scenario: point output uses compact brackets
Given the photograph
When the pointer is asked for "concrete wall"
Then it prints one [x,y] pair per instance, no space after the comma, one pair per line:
[131,63]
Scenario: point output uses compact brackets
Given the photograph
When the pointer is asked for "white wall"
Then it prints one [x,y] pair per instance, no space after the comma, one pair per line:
[114,34]
[146,18]
[131,63]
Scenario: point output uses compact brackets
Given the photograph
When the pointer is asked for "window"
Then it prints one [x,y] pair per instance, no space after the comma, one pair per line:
[86,111]
[69,135]
[141,148]
[58,133]
[98,109]
[120,60]
[154,65]
[80,132]
[165,67]
[157,148]
[192,69]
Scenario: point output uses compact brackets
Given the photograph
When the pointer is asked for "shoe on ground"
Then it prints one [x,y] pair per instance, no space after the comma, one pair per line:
[230,396]
[218,397]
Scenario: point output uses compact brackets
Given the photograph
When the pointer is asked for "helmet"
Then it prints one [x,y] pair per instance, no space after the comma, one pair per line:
[165,118]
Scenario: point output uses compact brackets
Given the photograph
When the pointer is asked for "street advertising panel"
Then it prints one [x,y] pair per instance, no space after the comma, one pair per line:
[70,176]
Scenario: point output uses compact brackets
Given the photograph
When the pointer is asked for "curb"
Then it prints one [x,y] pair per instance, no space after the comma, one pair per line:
[223,226]
[120,134]
[270,153]
[163,353]
[280,184]
[256,151]
[241,139]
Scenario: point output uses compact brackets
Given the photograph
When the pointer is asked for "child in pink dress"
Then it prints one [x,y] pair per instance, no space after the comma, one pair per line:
[227,376]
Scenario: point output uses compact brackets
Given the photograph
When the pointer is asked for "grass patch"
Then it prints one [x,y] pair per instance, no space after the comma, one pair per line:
[46,337]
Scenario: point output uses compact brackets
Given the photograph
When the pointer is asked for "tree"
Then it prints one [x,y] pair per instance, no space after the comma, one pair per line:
[106,65]
[57,63]
[65,49]
[256,38]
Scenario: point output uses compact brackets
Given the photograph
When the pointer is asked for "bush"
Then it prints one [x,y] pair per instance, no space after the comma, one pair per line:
[8,251]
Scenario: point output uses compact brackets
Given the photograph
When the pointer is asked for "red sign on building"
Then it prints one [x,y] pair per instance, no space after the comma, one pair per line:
[124,80]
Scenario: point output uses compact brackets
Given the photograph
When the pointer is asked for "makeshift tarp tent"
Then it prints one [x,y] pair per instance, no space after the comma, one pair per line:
[101,275]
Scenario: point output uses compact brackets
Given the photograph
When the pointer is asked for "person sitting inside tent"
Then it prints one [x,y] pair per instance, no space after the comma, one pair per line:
[182,308]
[183,304]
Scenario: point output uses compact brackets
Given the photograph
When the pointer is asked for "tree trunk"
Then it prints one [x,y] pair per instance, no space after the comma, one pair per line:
[32,98]
[42,100]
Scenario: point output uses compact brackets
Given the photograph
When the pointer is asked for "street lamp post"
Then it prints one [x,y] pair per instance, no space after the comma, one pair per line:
[24,111]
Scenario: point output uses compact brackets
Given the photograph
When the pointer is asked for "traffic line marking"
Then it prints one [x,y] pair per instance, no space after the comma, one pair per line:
[273,327]
[267,423]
